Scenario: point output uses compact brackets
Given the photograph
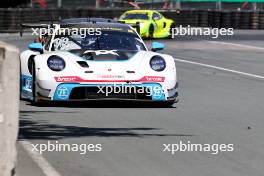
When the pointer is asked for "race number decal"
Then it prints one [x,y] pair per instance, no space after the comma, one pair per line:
[60,43]
[63,92]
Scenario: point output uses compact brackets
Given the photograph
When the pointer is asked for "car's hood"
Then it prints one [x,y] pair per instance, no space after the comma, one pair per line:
[104,55]
[134,67]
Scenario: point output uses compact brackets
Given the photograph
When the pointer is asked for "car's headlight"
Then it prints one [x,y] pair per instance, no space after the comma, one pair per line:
[157,63]
[56,63]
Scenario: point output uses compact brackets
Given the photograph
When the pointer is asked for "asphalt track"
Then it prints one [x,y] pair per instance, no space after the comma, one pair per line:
[216,106]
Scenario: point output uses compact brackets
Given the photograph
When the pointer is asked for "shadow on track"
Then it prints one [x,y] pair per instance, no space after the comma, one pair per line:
[105,104]
[36,130]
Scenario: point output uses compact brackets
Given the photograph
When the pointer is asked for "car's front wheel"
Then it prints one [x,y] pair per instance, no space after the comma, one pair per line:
[151,31]
[168,104]
[33,83]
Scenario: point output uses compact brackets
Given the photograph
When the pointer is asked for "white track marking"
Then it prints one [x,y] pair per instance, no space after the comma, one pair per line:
[221,68]
[47,169]
[236,44]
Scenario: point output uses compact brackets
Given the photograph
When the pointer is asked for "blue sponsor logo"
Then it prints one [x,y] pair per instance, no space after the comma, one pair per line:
[63,92]
[28,83]
[156,91]
[25,86]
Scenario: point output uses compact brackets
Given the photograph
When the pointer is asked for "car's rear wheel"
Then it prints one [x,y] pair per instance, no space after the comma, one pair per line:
[151,31]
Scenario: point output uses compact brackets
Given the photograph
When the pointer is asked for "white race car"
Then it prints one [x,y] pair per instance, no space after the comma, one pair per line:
[111,64]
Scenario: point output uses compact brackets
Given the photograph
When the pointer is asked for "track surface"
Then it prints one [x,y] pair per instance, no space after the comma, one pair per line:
[215,107]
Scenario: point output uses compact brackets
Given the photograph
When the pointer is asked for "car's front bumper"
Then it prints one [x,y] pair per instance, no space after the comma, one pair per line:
[127,92]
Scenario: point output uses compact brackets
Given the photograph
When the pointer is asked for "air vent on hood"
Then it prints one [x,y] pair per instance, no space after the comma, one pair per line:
[83,64]
[89,71]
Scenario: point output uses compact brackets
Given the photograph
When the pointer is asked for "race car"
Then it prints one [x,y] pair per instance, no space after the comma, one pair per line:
[152,23]
[111,64]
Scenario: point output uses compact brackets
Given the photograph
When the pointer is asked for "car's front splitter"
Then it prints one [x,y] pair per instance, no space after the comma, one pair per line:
[65,91]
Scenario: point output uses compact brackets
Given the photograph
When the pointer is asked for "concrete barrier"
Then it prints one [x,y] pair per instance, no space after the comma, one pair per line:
[9,101]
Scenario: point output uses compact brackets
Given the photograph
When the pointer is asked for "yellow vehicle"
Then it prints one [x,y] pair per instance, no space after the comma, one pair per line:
[152,23]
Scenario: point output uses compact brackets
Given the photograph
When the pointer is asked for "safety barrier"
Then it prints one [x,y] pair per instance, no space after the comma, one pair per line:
[10,19]
[9,103]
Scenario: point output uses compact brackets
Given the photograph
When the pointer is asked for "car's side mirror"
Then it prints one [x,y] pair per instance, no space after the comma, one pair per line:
[156,46]
[36,47]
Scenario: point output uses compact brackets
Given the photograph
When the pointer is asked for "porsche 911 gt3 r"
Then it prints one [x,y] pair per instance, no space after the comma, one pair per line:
[152,23]
[73,67]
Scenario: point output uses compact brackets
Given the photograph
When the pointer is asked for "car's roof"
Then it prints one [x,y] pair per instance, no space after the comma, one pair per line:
[82,20]
[96,25]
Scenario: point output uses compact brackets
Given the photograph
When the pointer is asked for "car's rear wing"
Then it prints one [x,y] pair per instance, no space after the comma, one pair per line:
[84,20]
[133,25]
[36,29]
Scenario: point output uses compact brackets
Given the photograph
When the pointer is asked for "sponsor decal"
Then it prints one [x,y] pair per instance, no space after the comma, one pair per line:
[67,79]
[28,83]
[63,92]
[101,52]
[153,79]
[109,78]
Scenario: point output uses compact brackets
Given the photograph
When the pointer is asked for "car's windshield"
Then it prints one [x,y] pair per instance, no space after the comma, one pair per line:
[131,16]
[108,40]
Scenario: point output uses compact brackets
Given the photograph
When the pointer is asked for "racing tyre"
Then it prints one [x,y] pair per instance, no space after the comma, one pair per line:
[33,84]
[168,104]
[20,84]
[151,31]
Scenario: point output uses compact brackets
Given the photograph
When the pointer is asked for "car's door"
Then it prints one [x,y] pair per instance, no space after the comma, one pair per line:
[158,21]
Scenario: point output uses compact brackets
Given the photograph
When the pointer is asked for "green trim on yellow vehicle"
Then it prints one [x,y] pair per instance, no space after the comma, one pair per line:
[152,23]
